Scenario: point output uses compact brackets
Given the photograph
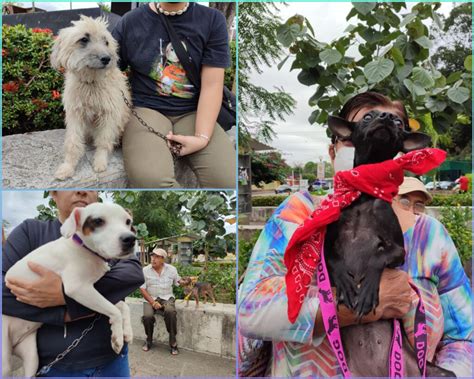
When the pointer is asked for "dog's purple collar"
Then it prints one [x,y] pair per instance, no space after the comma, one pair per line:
[80,242]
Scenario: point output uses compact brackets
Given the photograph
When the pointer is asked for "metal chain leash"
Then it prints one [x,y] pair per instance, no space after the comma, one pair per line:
[175,147]
[45,369]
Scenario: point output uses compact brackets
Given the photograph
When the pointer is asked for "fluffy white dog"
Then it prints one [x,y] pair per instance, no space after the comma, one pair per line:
[93,100]
[91,236]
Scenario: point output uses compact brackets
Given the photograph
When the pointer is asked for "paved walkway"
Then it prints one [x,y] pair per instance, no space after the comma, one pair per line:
[159,362]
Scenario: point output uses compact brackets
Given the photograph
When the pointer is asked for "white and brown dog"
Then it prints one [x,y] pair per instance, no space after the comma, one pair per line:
[94,91]
[91,236]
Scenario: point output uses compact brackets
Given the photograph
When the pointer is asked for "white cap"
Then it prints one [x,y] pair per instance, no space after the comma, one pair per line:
[159,252]
[411,184]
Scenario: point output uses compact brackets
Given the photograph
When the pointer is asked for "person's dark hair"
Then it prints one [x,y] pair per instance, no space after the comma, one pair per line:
[371,99]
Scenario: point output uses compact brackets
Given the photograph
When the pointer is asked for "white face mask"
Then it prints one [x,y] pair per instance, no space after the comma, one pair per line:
[344,159]
[400,154]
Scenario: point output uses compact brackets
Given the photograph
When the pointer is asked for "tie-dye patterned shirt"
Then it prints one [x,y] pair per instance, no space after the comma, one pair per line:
[431,261]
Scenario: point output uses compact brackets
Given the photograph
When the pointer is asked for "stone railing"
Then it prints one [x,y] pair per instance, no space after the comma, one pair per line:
[30,161]
[207,329]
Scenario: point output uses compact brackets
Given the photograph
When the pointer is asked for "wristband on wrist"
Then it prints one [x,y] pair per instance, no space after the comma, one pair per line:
[203,136]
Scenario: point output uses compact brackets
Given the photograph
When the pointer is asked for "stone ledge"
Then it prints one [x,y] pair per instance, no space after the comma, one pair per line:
[208,329]
[30,160]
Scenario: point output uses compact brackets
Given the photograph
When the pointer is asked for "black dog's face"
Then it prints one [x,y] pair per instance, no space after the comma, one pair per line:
[377,136]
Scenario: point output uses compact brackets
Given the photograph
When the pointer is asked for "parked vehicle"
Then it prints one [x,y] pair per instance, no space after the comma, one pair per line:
[320,184]
[446,185]
[431,186]
[284,188]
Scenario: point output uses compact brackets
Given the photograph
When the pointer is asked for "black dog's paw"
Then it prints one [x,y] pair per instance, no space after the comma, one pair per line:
[346,292]
[368,298]
[433,371]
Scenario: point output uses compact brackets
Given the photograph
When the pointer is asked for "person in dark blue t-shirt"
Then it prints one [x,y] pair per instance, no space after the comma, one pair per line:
[168,102]
[63,318]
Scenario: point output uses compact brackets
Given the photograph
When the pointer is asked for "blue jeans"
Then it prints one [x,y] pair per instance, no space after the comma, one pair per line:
[119,367]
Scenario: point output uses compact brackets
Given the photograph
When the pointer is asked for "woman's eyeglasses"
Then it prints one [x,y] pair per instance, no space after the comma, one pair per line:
[406,204]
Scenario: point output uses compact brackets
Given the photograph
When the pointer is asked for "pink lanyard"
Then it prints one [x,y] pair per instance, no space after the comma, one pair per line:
[331,325]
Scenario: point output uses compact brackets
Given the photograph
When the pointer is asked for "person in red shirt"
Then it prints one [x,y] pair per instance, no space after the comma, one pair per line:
[463,181]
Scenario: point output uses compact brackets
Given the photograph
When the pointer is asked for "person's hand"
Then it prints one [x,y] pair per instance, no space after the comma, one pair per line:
[43,293]
[156,305]
[394,302]
[190,144]
[394,294]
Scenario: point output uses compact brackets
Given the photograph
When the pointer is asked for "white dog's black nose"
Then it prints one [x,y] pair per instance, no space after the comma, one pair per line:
[105,60]
[128,241]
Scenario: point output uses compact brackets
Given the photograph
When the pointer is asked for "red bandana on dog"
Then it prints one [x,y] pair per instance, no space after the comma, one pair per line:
[379,180]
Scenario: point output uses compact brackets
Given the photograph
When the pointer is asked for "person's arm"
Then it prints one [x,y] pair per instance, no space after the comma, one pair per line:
[17,246]
[215,59]
[455,348]
[262,296]
[147,296]
[123,278]
[177,278]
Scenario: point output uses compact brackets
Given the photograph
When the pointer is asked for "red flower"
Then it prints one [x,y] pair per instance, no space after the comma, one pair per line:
[39,30]
[40,103]
[4,52]
[55,94]
[11,87]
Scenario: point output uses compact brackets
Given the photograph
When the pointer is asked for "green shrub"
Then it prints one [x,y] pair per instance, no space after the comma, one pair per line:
[220,275]
[268,201]
[222,278]
[31,88]
[245,251]
[463,199]
[458,221]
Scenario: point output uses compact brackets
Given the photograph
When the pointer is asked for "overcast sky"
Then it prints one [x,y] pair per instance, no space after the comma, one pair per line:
[299,141]
[20,205]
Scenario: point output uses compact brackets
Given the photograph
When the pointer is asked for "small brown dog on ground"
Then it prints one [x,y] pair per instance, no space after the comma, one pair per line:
[197,289]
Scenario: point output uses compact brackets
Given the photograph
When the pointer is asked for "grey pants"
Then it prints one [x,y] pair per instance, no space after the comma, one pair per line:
[148,161]
[168,311]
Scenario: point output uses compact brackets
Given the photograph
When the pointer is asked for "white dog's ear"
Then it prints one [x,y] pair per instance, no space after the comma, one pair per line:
[72,223]
[55,58]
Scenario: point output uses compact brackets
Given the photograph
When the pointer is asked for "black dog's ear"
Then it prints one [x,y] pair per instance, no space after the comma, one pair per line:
[339,127]
[415,141]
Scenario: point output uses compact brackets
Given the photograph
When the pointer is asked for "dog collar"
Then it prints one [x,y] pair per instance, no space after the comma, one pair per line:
[80,242]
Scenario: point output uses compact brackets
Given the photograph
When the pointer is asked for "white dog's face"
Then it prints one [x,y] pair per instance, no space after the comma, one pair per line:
[105,228]
[87,45]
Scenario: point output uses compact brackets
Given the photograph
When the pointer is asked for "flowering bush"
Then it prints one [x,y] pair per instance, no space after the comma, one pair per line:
[31,88]
[458,221]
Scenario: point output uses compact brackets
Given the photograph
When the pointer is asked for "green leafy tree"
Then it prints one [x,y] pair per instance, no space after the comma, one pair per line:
[393,58]
[454,44]
[158,210]
[268,167]
[206,211]
[259,108]
[47,212]
[310,167]
[454,39]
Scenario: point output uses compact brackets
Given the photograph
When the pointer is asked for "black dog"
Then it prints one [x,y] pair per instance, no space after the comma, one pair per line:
[365,240]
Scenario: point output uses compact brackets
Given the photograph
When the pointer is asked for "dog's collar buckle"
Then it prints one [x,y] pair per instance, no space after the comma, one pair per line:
[80,242]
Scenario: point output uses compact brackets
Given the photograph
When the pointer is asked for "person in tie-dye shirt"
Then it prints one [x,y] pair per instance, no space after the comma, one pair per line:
[432,263]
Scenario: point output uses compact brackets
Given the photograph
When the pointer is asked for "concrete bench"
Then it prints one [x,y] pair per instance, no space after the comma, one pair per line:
[30,161]
[207,329]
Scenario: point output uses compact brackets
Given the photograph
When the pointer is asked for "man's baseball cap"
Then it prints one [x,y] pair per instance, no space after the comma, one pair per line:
[412,185]
[159,252]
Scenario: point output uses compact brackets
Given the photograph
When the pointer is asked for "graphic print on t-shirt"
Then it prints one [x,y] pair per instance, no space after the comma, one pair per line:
[169,74]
